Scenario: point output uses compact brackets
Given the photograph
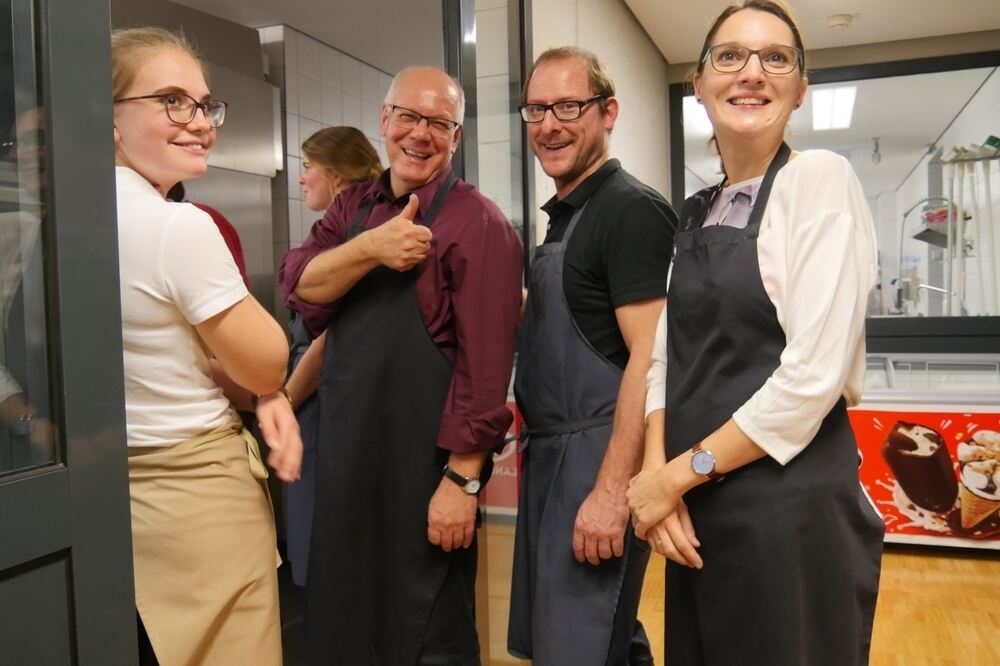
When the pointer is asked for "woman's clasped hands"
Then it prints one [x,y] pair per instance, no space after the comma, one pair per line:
[661,517]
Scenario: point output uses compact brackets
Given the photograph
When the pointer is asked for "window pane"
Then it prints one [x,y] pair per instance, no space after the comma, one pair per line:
[27,437]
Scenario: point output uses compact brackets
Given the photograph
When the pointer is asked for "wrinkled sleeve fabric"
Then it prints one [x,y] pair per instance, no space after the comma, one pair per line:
[656,378]
[483,269]
[816,252]
[638,250]
[191,238]
[327,233]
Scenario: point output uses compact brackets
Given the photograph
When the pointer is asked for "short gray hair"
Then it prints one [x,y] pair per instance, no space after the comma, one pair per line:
[458,87]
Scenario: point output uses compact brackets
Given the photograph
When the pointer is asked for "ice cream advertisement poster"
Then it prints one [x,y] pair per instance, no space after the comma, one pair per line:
[934,476]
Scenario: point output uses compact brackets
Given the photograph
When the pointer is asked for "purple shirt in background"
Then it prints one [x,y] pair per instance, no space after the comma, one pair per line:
[468,292]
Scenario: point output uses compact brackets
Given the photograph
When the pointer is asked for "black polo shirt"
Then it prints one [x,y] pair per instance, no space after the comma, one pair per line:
[618,254]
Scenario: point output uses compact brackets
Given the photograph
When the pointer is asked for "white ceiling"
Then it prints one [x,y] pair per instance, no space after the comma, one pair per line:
[927,102]
[387,34]
[678,27]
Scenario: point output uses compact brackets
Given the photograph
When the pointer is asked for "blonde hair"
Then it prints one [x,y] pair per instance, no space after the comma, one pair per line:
[129,48]
[344,151]
[598,76]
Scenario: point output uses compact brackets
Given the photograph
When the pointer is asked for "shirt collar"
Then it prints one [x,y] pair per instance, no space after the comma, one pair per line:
[425,193]
[582,192]
[131,180]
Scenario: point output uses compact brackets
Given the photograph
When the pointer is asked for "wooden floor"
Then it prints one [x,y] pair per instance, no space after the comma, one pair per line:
[937,606]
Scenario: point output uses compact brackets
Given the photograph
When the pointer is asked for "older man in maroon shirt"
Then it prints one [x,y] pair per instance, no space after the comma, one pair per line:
[417,278]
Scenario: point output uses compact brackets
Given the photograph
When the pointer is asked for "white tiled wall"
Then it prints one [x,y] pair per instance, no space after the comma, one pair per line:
[322,87]
[493,101]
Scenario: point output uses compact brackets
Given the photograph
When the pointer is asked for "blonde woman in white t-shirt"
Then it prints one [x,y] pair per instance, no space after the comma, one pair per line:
[195,343]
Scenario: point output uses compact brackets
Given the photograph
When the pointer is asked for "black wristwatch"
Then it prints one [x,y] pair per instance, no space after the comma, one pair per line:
[468,485]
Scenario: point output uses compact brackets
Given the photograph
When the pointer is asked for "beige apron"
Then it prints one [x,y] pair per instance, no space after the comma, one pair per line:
[203,541]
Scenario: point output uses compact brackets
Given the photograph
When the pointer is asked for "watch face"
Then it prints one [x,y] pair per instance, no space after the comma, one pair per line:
[472,486]
[703,463]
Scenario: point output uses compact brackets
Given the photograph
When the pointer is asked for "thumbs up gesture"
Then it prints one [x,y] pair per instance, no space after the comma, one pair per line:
[401,244]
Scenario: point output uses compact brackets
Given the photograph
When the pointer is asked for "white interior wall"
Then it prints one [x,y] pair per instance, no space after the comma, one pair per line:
[321,87]
[608,28]
[974,124]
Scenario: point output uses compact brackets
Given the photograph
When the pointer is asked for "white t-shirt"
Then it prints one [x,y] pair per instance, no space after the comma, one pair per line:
[817,257]
[176,272]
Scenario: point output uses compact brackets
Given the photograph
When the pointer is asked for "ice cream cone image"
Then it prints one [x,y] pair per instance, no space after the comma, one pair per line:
[979,489]
[975,509]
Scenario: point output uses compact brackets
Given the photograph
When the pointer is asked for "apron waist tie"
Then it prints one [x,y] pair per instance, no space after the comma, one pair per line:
[562,428]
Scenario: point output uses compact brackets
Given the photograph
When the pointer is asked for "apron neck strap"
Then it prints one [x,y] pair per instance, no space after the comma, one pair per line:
[764,193]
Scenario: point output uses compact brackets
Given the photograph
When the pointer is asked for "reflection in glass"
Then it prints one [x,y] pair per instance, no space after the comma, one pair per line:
[27,435]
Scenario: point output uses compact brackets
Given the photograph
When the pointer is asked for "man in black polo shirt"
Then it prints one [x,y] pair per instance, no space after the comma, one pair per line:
[596,291]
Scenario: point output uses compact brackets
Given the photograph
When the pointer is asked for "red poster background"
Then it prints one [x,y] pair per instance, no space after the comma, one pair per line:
[906,522]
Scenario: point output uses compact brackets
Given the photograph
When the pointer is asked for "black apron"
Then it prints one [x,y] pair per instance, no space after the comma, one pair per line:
[374,577]
[791,553]
[299,498]
[563,612]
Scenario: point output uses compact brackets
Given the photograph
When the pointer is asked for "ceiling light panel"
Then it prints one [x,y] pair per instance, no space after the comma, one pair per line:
[833,108]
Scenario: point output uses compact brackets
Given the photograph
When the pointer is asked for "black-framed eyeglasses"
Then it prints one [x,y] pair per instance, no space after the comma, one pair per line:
[182,108]
[408,119]
[570,109]
[774,59]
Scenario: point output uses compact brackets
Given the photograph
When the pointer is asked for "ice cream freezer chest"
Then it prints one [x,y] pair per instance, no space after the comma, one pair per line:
[928,430]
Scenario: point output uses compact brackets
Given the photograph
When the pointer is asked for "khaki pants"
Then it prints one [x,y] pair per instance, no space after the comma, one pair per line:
[203,542]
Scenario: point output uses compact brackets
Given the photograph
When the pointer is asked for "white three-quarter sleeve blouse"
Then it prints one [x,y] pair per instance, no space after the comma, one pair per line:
[817,258]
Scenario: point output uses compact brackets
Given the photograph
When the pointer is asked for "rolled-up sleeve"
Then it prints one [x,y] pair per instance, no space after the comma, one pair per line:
[325,234]
[818,272]
[484,269]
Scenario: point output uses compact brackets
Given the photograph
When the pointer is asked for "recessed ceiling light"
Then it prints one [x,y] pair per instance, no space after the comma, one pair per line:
[833,108]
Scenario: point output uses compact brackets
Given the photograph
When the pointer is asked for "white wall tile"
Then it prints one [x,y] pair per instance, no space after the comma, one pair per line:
[493,104]
[384,81]
[292,142]
[329,66]
[350,75]
[369,83]
[310,98]
[370,119]
[291,92]
[352,110]
[308,56]
[294,165]
[491,42]
[307,128]
[294,221]
[291,48]
[333,107]
[494,173]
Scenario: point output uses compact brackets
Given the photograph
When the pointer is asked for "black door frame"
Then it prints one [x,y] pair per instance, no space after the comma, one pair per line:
[77,510]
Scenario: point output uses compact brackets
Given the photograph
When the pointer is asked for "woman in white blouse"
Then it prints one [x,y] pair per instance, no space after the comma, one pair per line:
[759,352]
[194,342]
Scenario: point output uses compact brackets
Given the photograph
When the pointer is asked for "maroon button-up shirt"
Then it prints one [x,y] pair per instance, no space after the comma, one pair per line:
[468,292]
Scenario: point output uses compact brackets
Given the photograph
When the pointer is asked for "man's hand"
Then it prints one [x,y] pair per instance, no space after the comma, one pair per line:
[451,517]
[399,243]
[599,529]
[280,429]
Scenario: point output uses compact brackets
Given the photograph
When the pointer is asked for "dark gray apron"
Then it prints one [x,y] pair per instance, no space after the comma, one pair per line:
[791,553]
[563,612]
[299,499]
[374,577]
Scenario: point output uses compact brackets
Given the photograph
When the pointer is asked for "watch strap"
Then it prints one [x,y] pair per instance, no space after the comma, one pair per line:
[464,482]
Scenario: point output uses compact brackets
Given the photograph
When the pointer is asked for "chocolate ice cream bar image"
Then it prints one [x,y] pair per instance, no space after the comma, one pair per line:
[920,460]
